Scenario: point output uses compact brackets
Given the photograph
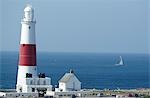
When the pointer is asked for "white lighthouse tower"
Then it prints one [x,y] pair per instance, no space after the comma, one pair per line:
[27,78]
[27,57]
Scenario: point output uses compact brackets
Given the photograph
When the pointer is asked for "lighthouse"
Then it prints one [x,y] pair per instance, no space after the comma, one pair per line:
[27,78]
[27,56]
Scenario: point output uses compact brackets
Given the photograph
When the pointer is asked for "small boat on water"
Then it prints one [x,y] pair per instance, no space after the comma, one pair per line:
[121,62]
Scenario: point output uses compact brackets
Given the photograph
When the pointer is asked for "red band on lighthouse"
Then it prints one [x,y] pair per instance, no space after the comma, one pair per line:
[27,55]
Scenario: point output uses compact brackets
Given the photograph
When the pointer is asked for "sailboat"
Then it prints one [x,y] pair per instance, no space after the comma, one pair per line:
[120,62]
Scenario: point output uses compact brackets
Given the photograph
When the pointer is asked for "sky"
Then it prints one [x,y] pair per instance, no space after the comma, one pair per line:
[101,26]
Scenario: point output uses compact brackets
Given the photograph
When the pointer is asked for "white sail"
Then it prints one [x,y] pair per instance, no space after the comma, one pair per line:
[120,62]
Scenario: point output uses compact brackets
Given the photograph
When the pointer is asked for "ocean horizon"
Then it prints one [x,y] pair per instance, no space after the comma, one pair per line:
[94,70]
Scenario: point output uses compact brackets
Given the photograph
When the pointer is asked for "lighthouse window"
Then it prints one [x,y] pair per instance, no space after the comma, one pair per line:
[44,82]
[33,89]
[31,82]
[20,89]
[28,75]
[38,82]
[29,27]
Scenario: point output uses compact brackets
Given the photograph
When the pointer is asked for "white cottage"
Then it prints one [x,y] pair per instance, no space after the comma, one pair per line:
[69,82]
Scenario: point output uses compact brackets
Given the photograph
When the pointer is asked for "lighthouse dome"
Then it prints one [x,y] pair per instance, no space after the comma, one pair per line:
[28,13]
[28,8]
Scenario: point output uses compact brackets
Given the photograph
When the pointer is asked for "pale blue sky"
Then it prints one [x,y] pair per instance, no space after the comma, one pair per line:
[113,26]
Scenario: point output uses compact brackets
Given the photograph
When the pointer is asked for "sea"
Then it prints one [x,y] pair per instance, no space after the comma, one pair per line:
[94,70]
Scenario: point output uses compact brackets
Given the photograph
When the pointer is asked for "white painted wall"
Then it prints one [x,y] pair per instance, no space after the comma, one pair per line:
[35,83]
[21,78]
[62,86]
[71,85]
[28,32]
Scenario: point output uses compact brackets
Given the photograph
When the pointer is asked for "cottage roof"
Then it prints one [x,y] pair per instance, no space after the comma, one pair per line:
[67,77]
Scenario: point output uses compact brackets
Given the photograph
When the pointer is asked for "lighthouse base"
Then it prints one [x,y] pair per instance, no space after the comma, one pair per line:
[35,85]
